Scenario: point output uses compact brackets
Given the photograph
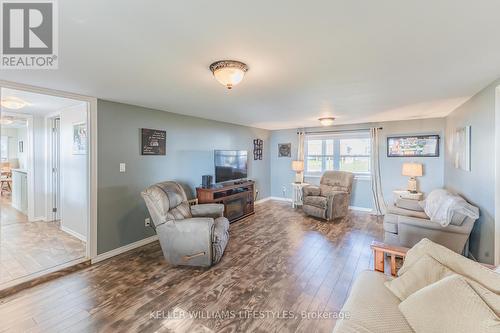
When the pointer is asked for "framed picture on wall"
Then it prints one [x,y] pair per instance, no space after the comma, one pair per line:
[153,142]
[284,150]
[461,148]
[413,146]
[80,138]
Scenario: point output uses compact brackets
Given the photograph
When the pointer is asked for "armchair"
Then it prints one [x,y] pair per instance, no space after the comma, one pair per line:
[189,235]
[329,200]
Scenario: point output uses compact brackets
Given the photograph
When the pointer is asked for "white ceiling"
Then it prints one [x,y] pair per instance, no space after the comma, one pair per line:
[37,104]
[356,60]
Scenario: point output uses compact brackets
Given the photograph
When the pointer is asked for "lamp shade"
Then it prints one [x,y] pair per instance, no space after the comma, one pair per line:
[412,169]
[298,166]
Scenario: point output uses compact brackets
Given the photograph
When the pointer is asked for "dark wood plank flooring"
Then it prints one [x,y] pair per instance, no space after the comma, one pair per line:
[278,262]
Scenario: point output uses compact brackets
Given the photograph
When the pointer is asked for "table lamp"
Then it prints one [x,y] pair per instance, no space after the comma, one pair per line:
[298,167]
[412,170]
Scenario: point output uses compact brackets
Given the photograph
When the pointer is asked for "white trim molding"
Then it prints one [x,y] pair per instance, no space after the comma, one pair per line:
[123,249]
[262,200]
[92,153]
[279,199]
[496,256]
[74,233]
[361,209]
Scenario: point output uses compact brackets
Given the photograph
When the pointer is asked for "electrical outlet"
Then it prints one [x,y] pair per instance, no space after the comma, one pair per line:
[283,189]
[122,167]
[147,222]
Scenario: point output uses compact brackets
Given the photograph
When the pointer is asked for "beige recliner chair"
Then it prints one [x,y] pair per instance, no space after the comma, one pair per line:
[189,235]
[330,200]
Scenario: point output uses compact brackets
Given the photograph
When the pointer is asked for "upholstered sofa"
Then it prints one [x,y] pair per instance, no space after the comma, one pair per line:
[330,200]
[406,223]
[373,307]
[189,235]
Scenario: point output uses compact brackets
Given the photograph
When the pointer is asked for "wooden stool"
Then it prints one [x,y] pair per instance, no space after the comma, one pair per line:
[5,185]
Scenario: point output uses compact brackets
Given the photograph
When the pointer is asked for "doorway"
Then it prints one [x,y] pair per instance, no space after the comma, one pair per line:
[45,203]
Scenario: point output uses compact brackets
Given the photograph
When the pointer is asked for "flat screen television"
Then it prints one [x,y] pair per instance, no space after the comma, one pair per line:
[230,165]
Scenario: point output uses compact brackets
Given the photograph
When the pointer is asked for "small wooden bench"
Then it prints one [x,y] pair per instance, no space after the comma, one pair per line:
[381,249]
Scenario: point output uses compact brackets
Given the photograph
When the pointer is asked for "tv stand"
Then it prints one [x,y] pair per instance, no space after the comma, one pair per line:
[237,198]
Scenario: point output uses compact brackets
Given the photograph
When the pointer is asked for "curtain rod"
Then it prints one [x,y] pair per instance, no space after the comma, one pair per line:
[340,130]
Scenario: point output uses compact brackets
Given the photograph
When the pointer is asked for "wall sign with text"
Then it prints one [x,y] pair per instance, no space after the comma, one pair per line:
[153,142]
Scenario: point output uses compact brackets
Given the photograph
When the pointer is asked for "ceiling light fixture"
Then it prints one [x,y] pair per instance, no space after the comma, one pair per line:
[326,121]
[229,72]
[6,121]
[13,103]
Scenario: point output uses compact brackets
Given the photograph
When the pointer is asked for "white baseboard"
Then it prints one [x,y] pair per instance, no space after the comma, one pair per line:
[74,233]
[280,199]
[262,200]
[272,198]
[125,248]
[361,209]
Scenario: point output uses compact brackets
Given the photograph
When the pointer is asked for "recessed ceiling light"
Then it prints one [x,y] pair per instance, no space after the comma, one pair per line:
[326,121]
[229,72]
[13,103]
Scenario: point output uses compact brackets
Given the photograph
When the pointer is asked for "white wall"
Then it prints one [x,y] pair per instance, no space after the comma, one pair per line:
[73,175]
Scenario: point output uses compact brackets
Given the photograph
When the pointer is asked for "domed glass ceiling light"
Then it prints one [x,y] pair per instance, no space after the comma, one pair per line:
[326,121]
[229,72]
[13,103]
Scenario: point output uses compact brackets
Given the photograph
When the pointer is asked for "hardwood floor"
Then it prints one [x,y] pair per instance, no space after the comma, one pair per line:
[278,262]
[30,247]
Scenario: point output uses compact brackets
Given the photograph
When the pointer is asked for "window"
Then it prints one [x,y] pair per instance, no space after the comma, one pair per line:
[348,151]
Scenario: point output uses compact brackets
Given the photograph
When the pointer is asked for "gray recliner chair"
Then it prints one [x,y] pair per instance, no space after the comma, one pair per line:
[189,235]
[330,200]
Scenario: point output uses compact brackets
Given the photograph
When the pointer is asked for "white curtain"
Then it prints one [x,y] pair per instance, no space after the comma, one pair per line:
[300,147]
[378,197]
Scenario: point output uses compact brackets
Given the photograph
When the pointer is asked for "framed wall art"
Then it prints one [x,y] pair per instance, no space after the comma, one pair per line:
[413,146]
[461,148]
[284,150]
[153,142]
[258,146]
[80,139]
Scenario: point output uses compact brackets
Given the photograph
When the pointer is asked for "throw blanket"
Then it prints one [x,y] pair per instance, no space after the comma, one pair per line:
[440,206]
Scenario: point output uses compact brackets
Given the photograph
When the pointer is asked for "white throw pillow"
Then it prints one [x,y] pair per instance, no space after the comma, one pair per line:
[449,305]
[424,272]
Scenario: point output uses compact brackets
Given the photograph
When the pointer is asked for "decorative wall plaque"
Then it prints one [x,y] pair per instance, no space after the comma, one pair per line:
[154,142]
[258,146]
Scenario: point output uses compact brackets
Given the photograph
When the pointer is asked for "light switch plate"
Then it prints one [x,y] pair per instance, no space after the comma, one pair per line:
[122,167]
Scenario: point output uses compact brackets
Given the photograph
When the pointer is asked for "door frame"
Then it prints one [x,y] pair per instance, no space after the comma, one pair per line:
[496,256]
[91,251]
[49,155]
